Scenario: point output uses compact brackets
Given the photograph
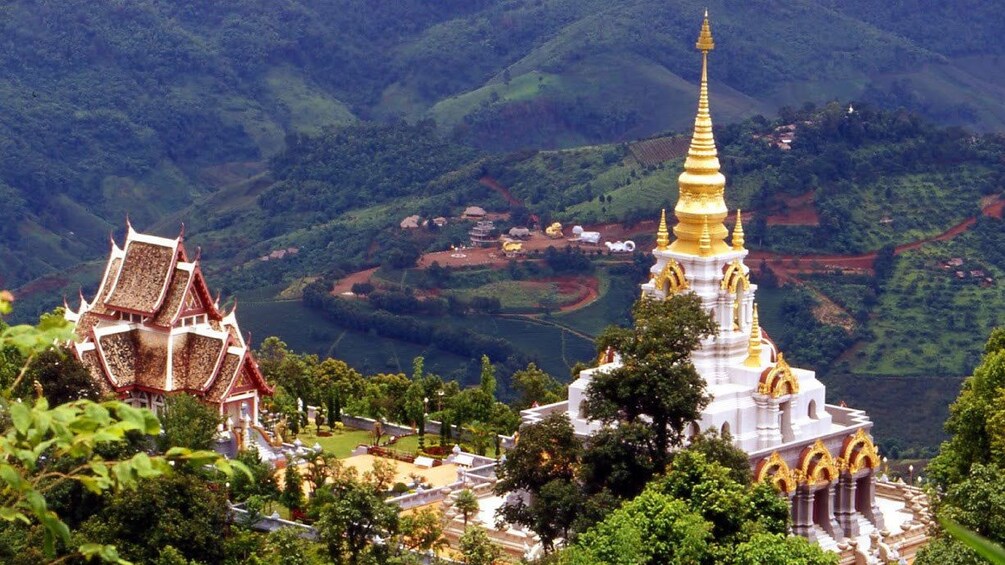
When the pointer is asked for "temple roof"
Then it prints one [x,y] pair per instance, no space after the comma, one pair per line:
[154,326]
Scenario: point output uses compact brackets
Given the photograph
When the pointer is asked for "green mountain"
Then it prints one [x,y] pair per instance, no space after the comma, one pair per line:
[148,107]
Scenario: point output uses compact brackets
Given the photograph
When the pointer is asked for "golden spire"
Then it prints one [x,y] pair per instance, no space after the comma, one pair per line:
[701,184]
[705,243]
[738,231]
[754,345]
[662,233]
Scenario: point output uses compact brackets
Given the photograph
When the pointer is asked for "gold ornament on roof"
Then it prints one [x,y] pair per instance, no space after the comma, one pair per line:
[705,243]
[738,232]
[662,233]
[776,470]
[859,452]
[733,277]
[778,380]
[816,465]
[754,345]
[671,279]
[702,185]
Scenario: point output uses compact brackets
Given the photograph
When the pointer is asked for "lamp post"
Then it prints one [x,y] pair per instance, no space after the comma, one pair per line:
[886,466]
[910,474]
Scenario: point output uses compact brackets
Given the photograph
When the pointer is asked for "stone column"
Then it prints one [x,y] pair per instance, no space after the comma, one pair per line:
[872,511]
[844,507]
[763,425]
[802,513]
[774,430]
[832,527]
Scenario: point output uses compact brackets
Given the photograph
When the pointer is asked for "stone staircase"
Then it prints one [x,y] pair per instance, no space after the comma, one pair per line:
[865,527]
[824,540]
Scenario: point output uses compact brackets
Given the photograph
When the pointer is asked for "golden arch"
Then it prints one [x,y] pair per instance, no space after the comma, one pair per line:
[776,470]
[816,466]
[778,380]
[859,452]
[671,279]
[734,277]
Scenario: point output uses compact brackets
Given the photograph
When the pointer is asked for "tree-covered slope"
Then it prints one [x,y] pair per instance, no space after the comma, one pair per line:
[144,108]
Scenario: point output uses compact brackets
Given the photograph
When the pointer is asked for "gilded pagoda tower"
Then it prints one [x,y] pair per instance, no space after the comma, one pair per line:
[820,456]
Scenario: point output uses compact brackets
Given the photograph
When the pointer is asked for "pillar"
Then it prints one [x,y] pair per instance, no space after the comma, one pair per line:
[802,513]
[844,505]
[831,526]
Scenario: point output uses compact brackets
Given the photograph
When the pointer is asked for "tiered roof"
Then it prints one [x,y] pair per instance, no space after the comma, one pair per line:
[154,326]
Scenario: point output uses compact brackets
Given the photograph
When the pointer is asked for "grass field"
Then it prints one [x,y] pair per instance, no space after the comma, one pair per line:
[340,444]
[522,296]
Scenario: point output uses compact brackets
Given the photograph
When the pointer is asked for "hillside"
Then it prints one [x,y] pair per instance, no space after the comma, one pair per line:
[145,108]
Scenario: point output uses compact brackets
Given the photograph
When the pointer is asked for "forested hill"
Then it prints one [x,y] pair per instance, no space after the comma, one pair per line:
[144,107]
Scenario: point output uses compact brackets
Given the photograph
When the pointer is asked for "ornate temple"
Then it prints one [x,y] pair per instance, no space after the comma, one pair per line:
[820,456]
[154,330]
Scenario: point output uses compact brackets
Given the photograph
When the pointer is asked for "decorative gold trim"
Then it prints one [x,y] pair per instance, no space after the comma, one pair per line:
[817,466]
[671,279]
[734,276]
[859,452]
[775,469]
[778,380]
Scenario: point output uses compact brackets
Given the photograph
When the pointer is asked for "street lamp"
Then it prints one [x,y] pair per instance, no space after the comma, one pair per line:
[910,474]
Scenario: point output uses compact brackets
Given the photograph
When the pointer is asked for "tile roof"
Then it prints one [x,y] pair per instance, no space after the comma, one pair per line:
[175,300]
[143,278]
[194,360]
[149,282]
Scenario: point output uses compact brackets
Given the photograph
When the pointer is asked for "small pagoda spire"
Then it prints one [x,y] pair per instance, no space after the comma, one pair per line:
[662,233]
[705,243]
[754,345]
[738,231]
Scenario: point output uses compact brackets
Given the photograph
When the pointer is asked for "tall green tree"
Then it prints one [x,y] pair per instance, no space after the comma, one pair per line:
[477,548]
[966,474]
[188,422]
[697,513]
[535,385]
[544,464]
[180,510]
[348,524]
[656,385]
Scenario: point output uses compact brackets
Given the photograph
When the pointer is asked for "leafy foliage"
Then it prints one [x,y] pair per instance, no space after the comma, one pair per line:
[656,382]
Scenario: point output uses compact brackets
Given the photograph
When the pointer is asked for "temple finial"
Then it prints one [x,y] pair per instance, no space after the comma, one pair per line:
[701,185]
[662,233]
[705,42]
[754,345]
[705,243]
[181,232]
[738,231]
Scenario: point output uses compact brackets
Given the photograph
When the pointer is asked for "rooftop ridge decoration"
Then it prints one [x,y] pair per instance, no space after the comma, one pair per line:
[778,380]
[702,185]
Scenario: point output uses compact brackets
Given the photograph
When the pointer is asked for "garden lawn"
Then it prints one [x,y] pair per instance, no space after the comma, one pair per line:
[340,444]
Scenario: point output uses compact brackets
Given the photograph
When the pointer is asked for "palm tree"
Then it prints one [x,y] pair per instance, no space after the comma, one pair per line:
[467,504]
